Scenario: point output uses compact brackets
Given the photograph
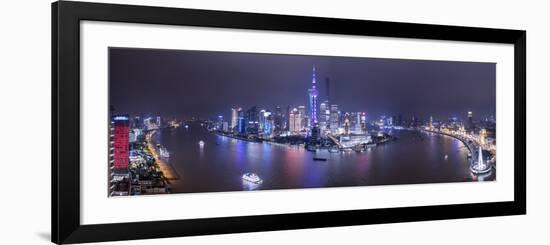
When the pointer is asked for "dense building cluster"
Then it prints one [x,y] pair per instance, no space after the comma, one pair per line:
[315,119]
[133,169]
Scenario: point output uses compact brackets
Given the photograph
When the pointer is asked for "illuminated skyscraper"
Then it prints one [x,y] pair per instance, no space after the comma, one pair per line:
[324,115]
[253,120]
[261,120]
[334,118]
[121,143]
[294,121]
[234,118]
[302,116]
[313,94]
[363,122]
[347,124]
[219,123]
[355,121]
[241,121]
[470,120]
[278,119]
[269,125]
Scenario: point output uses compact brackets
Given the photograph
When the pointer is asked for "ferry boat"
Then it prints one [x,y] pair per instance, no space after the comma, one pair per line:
[319,159]
[201,143]
[252,177]
[164,153]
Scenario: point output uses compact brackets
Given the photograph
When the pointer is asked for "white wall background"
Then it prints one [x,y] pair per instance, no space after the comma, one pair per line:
[25,120]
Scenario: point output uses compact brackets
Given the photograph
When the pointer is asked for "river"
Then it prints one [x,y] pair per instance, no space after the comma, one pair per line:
[414,158]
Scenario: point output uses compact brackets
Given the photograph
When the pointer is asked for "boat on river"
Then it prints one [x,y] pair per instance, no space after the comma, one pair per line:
[252,178]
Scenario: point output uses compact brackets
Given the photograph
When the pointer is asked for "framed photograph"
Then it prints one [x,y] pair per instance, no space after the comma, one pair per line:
[176,122]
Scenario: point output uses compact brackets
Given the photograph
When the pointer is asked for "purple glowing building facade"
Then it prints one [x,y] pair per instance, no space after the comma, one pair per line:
[313,93]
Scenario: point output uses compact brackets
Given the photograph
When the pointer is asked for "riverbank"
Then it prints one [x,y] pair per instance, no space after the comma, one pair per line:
[168,172]
[453,136]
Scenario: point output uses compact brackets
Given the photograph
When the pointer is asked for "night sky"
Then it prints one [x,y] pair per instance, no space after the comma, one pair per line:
[184,84]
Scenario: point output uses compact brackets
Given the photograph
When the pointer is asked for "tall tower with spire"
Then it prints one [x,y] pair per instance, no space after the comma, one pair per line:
[312,96]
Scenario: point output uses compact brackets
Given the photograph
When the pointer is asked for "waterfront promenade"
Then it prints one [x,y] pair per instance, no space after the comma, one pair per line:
[167,170]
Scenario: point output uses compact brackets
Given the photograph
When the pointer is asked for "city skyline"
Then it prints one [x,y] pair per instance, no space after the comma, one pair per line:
[253,120]
[175,81]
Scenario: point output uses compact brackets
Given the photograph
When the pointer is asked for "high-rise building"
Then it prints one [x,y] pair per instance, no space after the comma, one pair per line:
[261,120]
[355,121]
[347,124]
[241,121]
[159,122]
[264,121]
[269,125]
[253,120]
[363,122]
[219,123]
[278,119]
[234,118]
[295,121]
[287,126]
[312,103]
[121,146]
[324,115]
[334,119]
[225,126]
[303,117]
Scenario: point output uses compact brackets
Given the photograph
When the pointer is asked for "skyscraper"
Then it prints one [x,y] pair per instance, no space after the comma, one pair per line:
[323,115]
[334,118]
[470,121]
[261,120]
[241,121]
[234,118]
[312,95]
[363,122]
[269,125]
[278,119]
[294,121]
[347,124]
[302,116]
[121,145]
[355,121]
[253,120]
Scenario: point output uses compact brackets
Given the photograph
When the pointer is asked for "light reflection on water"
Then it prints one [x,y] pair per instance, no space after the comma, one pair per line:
[219,165]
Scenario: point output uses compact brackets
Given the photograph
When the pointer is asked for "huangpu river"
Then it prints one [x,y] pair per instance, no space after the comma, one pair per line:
[218,165]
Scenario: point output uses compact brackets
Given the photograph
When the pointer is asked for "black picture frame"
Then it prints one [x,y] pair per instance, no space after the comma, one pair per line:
[66,17]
